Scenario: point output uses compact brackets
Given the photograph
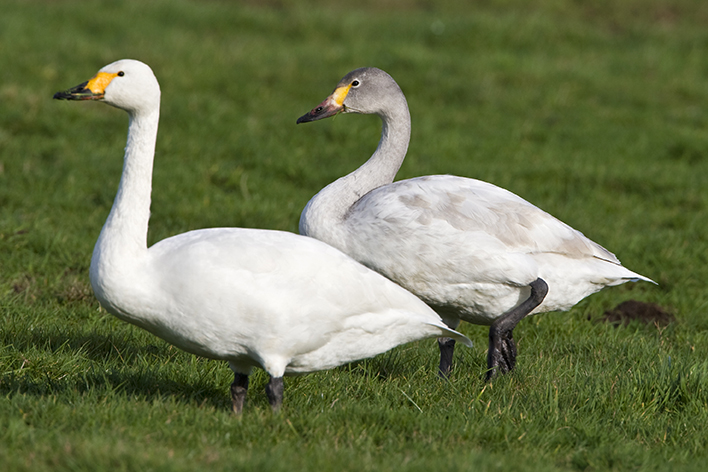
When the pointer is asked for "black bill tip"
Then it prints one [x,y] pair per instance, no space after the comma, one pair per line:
[323,110]
[80,92]
[307,117]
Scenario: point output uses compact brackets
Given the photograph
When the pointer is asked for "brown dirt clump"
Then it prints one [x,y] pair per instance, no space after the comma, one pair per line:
[634,310]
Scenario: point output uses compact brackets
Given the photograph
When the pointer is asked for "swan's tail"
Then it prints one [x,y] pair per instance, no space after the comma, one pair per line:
[632,277]
[451,333]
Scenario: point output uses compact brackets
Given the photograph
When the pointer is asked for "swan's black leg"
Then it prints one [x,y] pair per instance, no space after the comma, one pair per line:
[238,392]
[501,356]
[447,349]
[274,391]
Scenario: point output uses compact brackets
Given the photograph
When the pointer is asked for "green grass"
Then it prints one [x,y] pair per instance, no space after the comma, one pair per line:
[594,111]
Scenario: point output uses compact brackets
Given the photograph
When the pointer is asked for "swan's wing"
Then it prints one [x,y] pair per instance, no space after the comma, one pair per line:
[469,205]
[456,225]
[276,292]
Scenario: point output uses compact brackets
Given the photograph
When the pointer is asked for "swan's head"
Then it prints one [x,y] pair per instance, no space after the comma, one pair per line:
[367,90]
[126,84]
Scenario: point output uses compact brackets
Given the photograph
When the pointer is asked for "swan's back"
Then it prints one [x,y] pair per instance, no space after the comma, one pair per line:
[475,209]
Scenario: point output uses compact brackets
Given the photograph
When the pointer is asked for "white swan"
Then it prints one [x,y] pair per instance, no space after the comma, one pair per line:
[471,250]
[271,299]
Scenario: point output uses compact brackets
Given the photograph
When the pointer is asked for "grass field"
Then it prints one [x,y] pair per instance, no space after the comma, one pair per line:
[594,111]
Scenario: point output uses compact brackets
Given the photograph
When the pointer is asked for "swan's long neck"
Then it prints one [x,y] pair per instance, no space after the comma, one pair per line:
[123,240]
[329,207]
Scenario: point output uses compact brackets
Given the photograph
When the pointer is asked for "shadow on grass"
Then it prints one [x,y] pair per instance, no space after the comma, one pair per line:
[67,365]
[391,364]
[405,362]
[146,386]
[93,346]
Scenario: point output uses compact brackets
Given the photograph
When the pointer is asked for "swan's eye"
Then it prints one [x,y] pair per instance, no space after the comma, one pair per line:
[121,74]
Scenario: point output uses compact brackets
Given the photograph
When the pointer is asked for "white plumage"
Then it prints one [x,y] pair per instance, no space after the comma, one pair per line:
[471,250]
[254,298]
